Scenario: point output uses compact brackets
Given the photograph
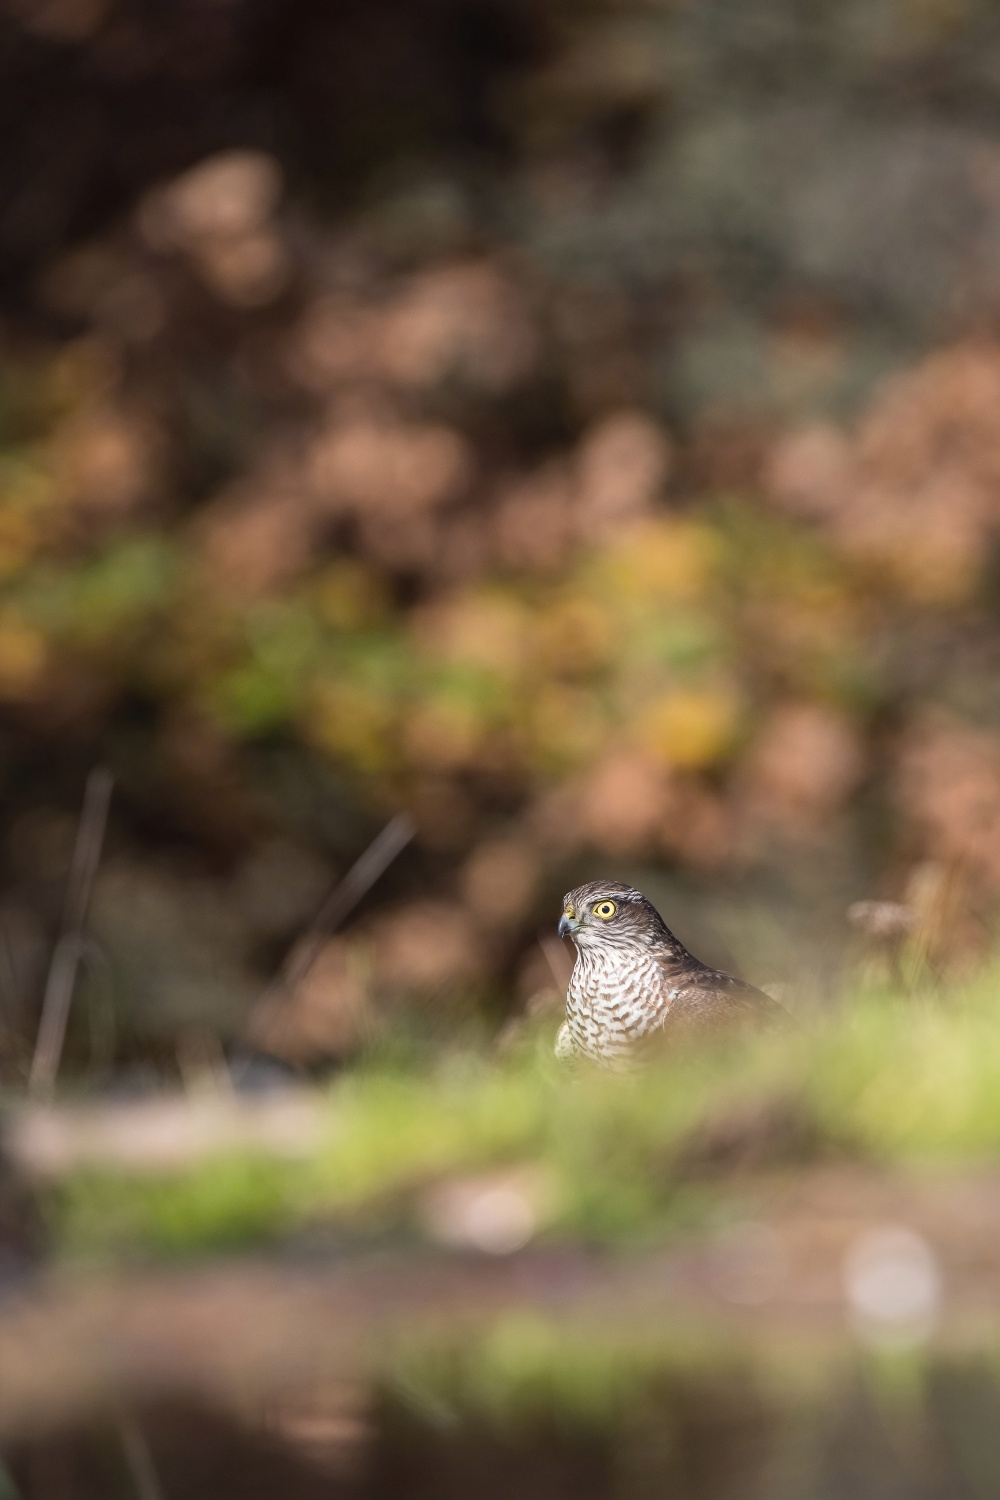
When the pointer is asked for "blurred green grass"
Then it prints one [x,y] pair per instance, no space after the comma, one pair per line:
[622,1160]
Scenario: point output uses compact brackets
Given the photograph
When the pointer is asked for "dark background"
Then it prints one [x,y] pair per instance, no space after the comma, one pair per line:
[577,426]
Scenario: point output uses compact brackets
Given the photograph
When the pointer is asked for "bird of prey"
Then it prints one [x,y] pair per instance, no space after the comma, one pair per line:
[634,981]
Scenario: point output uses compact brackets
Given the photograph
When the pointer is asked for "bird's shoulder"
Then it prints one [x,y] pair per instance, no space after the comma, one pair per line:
[701,996]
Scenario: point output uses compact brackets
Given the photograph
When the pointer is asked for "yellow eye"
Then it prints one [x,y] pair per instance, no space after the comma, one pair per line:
[605,910]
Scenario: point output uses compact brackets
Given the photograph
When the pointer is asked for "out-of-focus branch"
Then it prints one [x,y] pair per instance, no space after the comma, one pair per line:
[70,947]
[159,1134]
[339,904]
[139,1459]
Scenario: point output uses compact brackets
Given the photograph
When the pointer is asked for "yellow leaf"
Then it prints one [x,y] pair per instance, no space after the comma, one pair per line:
[24,656]
[689,727]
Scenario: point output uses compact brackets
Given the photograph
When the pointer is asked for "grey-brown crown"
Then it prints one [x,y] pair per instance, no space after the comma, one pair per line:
[633,920]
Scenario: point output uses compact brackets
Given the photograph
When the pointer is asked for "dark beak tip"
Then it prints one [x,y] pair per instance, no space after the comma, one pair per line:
[564,929]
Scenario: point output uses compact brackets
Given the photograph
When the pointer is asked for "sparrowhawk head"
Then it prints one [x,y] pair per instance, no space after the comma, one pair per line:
[609,913]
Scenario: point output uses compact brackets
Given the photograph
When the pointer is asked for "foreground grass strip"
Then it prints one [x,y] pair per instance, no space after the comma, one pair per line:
[621,1159]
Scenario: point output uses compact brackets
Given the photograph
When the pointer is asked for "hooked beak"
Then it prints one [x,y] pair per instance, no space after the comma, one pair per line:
[567,925]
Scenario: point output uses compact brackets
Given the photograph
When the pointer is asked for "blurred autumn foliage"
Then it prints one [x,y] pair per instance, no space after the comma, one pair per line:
[577,426]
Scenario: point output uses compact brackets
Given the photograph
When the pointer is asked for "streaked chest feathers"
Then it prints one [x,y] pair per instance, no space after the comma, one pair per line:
[616,996]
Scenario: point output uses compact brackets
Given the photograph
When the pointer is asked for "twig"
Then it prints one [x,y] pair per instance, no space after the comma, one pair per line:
[139,1460]
[342,900]
[71,945]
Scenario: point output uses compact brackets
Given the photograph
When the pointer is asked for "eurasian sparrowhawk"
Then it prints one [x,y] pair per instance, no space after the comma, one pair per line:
[633,979]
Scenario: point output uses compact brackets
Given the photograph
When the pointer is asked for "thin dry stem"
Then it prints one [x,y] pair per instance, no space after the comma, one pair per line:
[71,944]
[342,900]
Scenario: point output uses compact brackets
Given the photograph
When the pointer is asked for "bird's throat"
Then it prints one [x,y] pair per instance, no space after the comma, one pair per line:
[616,996]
